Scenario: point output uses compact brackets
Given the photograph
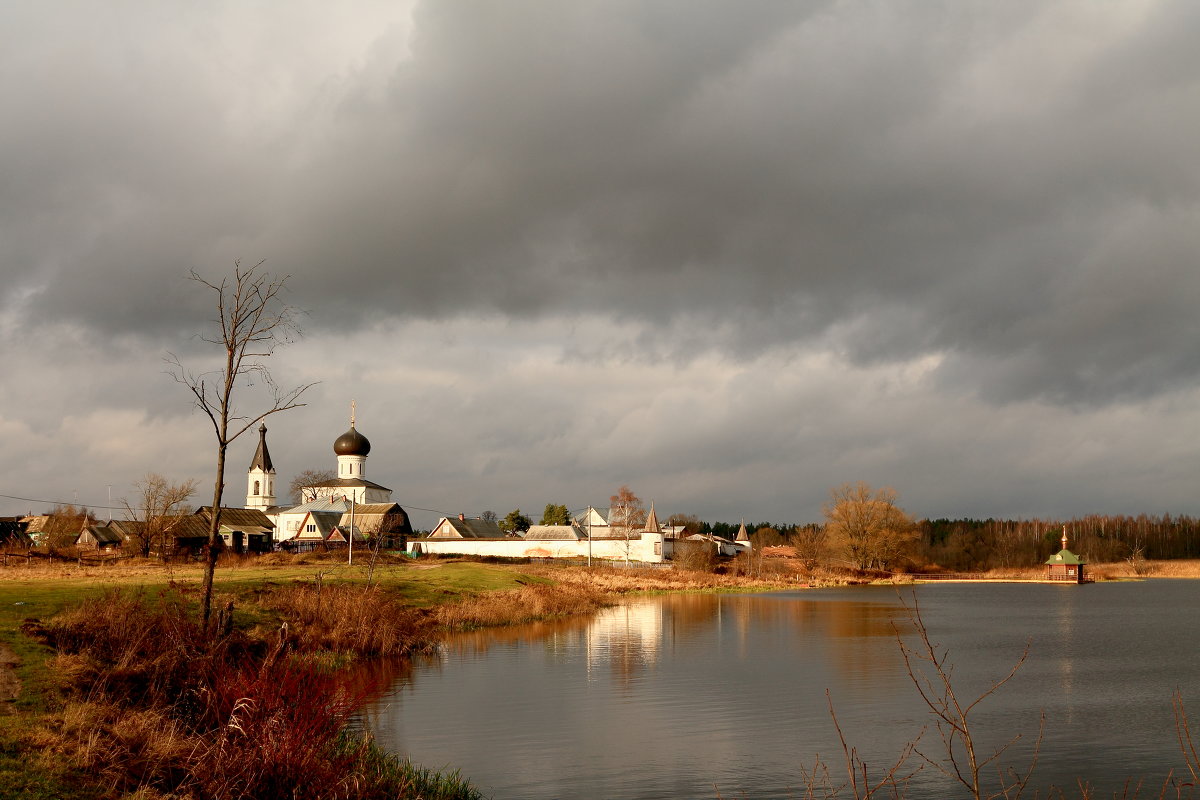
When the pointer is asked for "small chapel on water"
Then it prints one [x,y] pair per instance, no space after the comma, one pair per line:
[1065,565]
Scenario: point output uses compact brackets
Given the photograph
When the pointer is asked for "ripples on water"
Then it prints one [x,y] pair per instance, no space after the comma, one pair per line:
[688,696]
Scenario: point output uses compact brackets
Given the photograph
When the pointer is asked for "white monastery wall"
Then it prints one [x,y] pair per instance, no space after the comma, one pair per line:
[651,548]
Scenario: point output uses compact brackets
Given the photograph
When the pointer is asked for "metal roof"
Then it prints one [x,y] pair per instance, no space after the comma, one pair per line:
[554,532]
[1065,556]
[348,483]
[262,456]
[468,529]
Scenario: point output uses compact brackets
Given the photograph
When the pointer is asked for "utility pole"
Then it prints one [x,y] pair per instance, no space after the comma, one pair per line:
[350,560]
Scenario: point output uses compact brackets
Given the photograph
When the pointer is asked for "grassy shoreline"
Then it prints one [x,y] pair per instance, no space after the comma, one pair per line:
[120,694]
[88,645]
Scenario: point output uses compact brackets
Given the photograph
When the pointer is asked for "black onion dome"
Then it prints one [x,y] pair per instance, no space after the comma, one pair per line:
[352,443]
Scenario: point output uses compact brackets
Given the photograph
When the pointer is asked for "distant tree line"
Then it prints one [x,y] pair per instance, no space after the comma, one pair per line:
[983,544]
[979,544]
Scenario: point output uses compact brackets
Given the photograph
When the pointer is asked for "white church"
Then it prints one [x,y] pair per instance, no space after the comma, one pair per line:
[332,513]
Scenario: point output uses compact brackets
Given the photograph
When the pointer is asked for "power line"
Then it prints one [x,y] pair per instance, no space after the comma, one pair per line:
[124,508]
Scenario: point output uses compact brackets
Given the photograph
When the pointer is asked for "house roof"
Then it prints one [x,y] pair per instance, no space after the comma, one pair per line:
[338,533]
[601,513]
[324,521]
[742,536]
[348,483]
[13,530]
[467,529]
[320,504]
[104,534]
[709,537]
[372,518]
[555,532]
[1065,557]
[36,524]
[187,526]
[128,527]
[239,518]
[651,522]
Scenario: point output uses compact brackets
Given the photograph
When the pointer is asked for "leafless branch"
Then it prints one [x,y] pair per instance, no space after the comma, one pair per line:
[929,669]
[252,321]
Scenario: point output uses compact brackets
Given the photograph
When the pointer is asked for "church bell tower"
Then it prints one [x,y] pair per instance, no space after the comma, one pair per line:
[260,479]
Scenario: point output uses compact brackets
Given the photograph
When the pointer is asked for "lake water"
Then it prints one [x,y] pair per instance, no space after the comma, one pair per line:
[705,696]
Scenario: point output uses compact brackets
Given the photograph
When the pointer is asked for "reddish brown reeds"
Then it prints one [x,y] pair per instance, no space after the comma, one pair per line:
[350,619]
[163,708]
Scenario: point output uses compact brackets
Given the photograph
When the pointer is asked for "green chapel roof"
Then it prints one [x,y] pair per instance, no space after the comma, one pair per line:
[1065,556]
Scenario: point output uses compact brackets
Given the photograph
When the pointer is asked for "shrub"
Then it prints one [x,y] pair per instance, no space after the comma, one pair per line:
[695,556]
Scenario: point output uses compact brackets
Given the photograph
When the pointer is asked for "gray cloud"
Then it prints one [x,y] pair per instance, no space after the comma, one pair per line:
[1007,193]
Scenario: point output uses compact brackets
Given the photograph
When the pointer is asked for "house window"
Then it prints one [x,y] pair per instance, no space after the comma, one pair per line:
[658,548]
[311,527]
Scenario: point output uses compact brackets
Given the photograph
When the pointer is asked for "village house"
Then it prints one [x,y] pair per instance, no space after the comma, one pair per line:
[112,535]
[242,530]
[14,533]
[462,528]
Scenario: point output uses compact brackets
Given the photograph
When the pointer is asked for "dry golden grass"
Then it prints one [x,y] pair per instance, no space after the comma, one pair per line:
[619,581]
[537,602]
[349,619]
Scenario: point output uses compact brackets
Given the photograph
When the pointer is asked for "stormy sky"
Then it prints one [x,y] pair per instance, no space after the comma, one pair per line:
[730,254]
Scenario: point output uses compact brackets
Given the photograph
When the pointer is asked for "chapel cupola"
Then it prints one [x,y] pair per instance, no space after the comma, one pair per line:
[352,449]
[352,443]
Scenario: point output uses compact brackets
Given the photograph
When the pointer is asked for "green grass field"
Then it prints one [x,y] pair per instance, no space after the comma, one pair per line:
[41,592]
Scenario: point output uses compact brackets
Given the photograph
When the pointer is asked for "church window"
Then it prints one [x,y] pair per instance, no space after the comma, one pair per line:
[311,528]
[256,487]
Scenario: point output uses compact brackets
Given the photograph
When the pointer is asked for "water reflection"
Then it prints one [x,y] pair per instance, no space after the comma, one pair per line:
[634,692]
[695,696]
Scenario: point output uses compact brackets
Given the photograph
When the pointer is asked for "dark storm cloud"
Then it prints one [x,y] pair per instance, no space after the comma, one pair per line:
[1012,187]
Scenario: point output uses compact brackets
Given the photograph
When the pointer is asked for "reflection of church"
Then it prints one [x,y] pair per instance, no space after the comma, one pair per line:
[334,511]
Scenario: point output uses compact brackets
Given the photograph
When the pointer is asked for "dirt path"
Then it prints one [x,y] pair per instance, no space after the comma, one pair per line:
[10,684]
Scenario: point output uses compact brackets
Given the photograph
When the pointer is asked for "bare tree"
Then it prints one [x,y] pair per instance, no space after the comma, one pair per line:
[867,526]
[307,478]
[252,320]
[626,514]
[155,506]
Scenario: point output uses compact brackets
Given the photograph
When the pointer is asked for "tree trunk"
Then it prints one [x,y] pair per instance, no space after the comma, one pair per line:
[214,528]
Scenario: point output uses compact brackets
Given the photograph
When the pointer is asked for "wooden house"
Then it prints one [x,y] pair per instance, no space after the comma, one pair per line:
[14,533]
[243,530]
[101,537]
[462,528]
